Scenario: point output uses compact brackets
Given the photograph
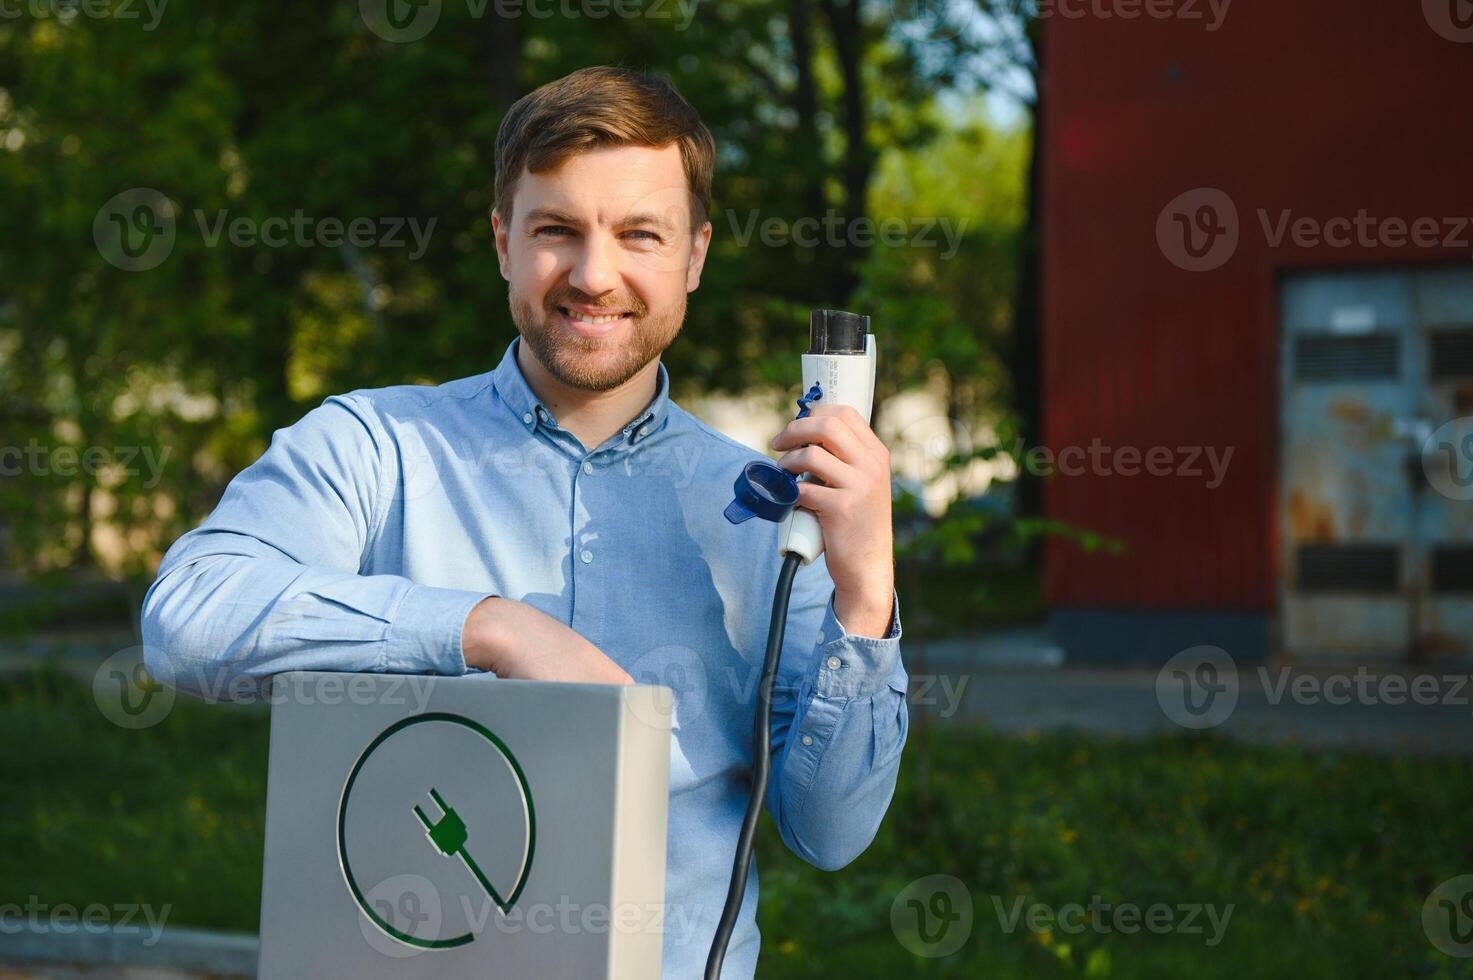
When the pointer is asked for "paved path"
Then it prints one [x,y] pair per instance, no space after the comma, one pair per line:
[1011,682]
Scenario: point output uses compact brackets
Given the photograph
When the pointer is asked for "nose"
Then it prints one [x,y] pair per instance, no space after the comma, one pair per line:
[595,268]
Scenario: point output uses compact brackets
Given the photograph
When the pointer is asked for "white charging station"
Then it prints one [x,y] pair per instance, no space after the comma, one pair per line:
[453,827]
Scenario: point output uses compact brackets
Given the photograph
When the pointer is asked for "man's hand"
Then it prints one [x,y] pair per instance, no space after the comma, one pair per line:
[837,446]
[515,640]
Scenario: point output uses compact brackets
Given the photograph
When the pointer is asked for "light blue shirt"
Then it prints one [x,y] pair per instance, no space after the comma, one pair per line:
[368,530]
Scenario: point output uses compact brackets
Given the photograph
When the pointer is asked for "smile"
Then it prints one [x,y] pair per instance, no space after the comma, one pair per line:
[593,324]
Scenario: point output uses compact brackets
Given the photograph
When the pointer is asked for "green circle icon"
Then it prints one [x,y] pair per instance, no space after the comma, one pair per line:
[445,830]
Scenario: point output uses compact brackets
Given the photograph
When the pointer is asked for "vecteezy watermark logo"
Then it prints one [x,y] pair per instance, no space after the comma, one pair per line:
[68,10]
[404,21]
[1447,459]
[1198,688]
[1364,229]
[685,688]
[1212,13]
[833,230]
[130,695]
[1447,916]
[38,917]
[1126,918]
[1198,230]
[1208,463]
[932,916]
[400,21]
[105,462]
[409,905]
[135,230]
[1452,19]
[1364,687]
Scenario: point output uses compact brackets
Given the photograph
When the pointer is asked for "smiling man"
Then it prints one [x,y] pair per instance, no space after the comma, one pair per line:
[560,518]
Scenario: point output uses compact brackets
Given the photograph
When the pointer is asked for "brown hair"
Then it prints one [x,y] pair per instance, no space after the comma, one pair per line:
[602,107]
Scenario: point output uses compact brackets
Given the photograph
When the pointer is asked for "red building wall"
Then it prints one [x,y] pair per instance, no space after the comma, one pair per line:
[1322,107]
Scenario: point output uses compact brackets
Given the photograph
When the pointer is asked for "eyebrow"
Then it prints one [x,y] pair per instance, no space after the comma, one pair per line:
[555,216]
[644,219]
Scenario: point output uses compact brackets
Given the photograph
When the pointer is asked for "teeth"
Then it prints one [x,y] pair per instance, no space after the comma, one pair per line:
[586,318]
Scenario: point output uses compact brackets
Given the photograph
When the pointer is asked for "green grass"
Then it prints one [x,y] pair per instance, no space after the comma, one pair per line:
[1326,858]
[95,813]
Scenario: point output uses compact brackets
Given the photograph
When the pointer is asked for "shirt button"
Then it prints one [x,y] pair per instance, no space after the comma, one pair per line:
[834,662]
[527,418]
[587,556]
[587,468]
[807,739]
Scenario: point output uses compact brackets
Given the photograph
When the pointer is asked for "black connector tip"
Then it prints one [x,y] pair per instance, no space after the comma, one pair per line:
[836,332]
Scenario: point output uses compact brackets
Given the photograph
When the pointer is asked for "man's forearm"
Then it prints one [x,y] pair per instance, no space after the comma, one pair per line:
[227,611]
[835,789]
[840,755]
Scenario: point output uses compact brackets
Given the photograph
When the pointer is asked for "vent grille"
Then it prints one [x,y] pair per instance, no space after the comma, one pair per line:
[1452,354]
[1452,568]
[1348,568]
[1327,357]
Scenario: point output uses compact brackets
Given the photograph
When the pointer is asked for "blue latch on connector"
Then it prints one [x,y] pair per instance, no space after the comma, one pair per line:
[805,404]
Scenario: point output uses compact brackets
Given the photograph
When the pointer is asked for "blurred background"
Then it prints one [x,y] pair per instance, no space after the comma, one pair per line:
[1174,301]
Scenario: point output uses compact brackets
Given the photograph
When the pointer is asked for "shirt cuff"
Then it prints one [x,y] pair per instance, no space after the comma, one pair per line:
[424,636]
[852,666]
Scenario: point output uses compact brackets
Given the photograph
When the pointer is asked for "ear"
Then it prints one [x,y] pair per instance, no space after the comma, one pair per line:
[499,231]
[700,245]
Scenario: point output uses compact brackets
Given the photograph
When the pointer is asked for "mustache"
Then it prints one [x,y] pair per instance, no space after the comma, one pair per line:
[568,296]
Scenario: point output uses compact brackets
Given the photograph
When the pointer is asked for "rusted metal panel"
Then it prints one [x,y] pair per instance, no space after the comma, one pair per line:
[1359,473]
[1445,309]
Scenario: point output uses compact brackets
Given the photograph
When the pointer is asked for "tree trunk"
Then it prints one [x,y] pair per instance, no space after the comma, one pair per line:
[502,45]
[858,160]
[1026,360]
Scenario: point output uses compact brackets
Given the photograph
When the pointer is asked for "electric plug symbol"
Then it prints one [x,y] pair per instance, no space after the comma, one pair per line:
[449,835]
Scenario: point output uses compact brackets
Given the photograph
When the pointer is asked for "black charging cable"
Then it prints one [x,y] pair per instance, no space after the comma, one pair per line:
[761,765]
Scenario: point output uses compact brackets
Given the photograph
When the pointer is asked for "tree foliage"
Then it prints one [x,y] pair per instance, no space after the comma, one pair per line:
[263,109]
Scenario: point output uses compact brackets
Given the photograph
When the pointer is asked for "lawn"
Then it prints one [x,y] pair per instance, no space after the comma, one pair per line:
[1325,859]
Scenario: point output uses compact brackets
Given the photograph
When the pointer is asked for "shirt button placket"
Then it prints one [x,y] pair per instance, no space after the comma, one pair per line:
[588,591]
[585,556]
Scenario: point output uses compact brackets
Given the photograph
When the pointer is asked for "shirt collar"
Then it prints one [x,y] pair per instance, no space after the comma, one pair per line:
[522,401]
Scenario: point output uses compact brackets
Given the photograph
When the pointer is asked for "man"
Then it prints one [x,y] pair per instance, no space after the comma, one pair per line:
[559,518]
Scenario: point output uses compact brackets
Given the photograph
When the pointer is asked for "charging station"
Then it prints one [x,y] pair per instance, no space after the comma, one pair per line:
[453,827]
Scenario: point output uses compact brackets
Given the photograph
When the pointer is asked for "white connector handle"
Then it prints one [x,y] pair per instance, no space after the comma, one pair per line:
[844,379]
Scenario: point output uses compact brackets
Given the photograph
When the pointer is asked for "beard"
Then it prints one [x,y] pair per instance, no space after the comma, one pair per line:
[594,363]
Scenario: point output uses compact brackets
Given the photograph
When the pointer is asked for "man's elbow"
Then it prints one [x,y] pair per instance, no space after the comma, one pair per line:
[835,843]
[833,851]
[180,652]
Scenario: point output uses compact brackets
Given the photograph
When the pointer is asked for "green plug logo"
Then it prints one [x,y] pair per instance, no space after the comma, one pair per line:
[449,836]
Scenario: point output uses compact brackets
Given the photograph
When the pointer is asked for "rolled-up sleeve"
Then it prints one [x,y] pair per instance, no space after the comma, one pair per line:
[270,581]
[840,723]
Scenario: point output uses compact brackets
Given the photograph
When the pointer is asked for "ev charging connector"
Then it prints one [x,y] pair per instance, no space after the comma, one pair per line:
[839,369]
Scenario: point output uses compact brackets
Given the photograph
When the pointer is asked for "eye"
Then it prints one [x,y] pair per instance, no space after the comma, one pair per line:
[643,234]
[555,231]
